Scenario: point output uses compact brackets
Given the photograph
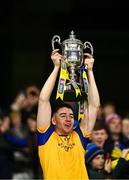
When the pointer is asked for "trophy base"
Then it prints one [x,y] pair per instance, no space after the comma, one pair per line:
[71,96]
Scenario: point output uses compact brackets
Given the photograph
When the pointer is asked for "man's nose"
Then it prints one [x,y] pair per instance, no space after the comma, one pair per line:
[68,118]
[99,137]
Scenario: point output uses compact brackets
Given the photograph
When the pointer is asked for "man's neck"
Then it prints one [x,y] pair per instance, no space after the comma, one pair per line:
[62,133]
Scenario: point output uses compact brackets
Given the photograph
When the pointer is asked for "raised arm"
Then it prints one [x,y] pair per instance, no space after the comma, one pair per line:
[93,97]
[44,107]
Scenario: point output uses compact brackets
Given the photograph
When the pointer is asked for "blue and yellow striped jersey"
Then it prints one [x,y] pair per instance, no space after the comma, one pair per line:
[62,157]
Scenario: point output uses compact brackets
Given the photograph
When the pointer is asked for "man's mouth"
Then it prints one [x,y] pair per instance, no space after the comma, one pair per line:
[68,125]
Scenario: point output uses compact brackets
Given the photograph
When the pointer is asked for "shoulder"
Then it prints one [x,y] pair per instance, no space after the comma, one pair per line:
[84,138]
[44,134]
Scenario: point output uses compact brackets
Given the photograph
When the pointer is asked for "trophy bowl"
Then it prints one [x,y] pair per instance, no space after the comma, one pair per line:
[73,56]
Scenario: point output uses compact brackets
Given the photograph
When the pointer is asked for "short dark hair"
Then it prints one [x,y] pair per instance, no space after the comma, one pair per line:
[99,125]
[61,105]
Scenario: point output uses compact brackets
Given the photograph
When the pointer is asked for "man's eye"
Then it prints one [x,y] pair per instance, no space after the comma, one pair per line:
[63,116]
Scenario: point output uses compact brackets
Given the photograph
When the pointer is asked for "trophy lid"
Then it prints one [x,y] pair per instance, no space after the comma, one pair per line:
[72,39]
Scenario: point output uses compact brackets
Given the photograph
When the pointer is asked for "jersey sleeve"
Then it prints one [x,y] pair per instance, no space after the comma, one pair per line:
[85,138]
[44,134]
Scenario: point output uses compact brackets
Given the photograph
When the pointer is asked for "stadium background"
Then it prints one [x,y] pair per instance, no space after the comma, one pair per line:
[26,31]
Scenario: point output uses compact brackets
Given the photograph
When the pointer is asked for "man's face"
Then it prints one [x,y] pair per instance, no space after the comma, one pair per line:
[64,121]
[99,137]
[125,127]
[115,126]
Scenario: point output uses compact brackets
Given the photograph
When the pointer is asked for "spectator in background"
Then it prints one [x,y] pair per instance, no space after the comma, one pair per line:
[99,134]
[125,126]
[114,124]
[32,97]
[26,102]
[33,147]
[108,108]
[115,143]
[17,127]
[6,149]
[18,137]
[121,170]
[5,122]
[125,130]
[98,167]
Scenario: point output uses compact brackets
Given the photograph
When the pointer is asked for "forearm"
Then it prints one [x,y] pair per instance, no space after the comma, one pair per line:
[49,85]
[93,95]
[92,105]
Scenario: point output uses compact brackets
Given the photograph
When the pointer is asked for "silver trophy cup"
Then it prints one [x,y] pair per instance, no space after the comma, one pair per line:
[73,56]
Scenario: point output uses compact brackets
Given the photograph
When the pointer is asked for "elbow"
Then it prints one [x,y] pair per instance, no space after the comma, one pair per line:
[43,98]
[96,105]
[94,101]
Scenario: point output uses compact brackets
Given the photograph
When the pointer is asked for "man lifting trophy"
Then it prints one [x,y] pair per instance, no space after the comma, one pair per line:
[73,82]
[62,143]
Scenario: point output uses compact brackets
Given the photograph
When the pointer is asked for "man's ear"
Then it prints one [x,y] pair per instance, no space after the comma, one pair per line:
[53,120]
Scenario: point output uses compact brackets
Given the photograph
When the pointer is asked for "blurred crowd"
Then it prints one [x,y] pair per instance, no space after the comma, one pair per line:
[18,143]
[107,156]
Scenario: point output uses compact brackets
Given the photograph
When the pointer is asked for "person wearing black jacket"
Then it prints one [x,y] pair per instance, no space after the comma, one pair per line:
[121,170]
[6,151]
[98,167]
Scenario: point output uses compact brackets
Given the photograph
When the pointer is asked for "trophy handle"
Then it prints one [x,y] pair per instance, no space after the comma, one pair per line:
[55,38]
[88,45]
